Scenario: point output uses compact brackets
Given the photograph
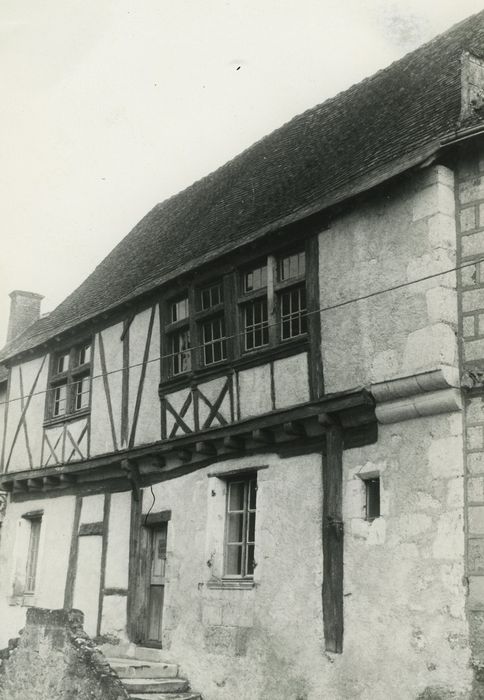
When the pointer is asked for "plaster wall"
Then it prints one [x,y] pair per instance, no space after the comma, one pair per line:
[404,600]
[396,237]
[55,540]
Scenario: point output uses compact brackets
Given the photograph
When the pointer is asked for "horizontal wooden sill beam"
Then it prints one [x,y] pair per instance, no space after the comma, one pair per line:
[291,431]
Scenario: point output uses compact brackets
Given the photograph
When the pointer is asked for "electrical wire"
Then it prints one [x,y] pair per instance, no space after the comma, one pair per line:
[320,310]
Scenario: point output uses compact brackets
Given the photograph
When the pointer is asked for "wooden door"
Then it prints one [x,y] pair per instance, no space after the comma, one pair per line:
[156,583]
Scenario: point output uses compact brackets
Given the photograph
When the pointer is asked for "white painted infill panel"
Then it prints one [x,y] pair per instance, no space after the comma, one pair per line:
[117,559]
[144,424]
[92,510]
[255,395]
[107,390]
[88,581]
[291,380]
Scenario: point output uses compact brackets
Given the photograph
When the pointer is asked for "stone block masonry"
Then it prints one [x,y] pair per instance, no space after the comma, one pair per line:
[470,227]
[55,659]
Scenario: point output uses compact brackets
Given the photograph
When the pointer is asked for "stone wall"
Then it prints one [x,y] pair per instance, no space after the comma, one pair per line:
[470,220]
[393,238]
[55,660]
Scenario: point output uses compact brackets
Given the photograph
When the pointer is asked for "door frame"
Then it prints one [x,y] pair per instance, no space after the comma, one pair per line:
[139,576]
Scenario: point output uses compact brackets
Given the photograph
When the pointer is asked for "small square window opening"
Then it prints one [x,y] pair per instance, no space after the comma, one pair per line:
[372,492]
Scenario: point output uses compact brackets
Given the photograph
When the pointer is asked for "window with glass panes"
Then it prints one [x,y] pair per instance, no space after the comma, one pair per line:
[70,381]
[240,527]
[178,335]
[247,310]
[291,293]
[213,336]
[255,310]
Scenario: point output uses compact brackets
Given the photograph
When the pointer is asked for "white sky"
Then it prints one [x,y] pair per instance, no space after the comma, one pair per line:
[109,106]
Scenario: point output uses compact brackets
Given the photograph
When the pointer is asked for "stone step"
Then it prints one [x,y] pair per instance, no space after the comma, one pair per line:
[135,668]
[166,696]
[148,653]
[155,685]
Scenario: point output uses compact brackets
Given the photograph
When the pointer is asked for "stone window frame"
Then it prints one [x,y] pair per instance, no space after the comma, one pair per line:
[29,557]
[245,542]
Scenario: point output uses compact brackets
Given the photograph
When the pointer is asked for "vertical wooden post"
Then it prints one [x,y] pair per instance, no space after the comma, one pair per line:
[134,564]
[104,554]
[72,565]
[333,540]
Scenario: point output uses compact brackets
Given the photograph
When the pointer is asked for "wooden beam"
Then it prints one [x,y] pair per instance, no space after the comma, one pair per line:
[35,484]
[51,481]
[263,435]
[236,444]
[205,448]
[294,428]
[333,540]
[67,478]
[72,565]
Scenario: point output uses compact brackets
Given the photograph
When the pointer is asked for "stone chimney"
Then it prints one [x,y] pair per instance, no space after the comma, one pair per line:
[24,310]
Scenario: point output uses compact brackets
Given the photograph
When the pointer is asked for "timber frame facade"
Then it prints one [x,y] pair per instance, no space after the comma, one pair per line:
[253,438]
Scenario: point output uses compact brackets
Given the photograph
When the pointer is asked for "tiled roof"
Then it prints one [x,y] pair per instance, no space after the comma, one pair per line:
[373,130]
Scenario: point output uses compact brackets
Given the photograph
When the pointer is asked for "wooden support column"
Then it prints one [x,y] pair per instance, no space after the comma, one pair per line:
[333,540]
[72,565]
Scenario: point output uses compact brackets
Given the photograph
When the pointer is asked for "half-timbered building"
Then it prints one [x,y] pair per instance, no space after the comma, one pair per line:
[253,437]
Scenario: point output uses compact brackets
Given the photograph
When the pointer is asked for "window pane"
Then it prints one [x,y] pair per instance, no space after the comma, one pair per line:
[62,363]
[255,279]
[59,401]
[292,266]
[251,532]
[179,309]
[81,393]
[181,354]
[252,493]
[372,498]
[84,354]
[235,528]
[236,495]
[214,343]
[250,560]
[234,560]
[211,296]
[256,324]
[293,313]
